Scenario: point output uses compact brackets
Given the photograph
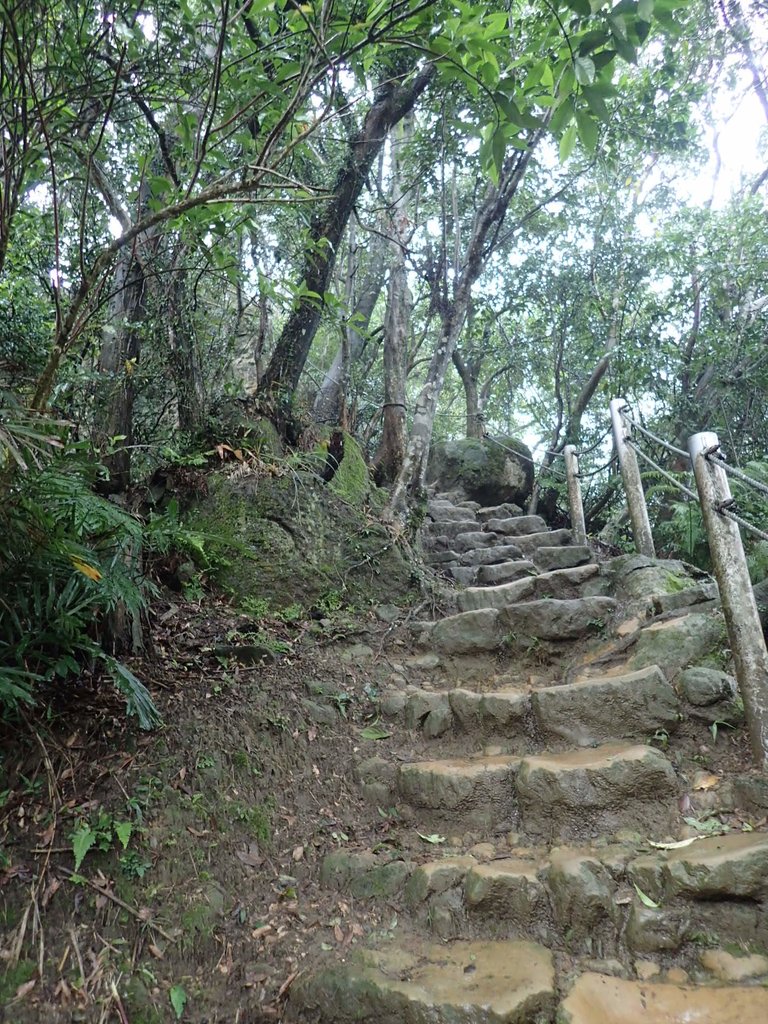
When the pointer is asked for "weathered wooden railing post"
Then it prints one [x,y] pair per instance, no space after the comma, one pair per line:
[745,633]
[578,524]
[633,485]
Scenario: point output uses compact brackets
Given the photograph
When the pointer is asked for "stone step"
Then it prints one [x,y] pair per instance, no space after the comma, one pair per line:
[505,511]
[448,528]
[477,791]
[583,899]
[587,792]
[491,555]
[602,999]
[562,584]
[549,558]
[426,983]
[552,619]
[469,540]
[464,575]
[633,705]
[505,572]
[446,510]
[516,526]
[547,539]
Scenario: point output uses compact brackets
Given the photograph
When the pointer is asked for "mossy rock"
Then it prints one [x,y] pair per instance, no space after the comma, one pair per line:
[483,471]
[293,540]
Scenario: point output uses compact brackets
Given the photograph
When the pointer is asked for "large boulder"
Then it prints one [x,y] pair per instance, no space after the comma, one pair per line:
[288,537]
[482,470]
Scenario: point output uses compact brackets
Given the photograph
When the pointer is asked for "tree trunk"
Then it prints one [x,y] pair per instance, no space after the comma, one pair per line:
[120,351]
[392,102]
[490,216]
[185,354]
[391,452]
[468,376]
[327,407]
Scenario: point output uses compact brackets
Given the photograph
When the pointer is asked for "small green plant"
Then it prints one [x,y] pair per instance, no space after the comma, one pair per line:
[133,864]
[103,834]
[258,819]
[660,739]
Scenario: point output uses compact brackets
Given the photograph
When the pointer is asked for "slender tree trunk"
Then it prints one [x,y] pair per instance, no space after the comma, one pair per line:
[327,407]
[488,219]
[185,353]
[392,102]
[391,452]
[120,351]
[466,370]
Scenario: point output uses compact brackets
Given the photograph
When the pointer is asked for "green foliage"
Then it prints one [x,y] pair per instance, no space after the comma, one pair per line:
[71,560]
[105,832]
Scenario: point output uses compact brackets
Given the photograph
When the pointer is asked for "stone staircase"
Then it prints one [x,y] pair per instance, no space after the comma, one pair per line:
[549,757]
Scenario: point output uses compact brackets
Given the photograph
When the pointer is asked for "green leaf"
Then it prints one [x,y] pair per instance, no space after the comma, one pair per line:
[434,839]
[587,128]
[645,899]
[178,998]
[123,830]
[375,732]
[596,103]
[645,9]
[567,142]
[585,70]
[83,839]
[137,699]
[561,117]
[582,7]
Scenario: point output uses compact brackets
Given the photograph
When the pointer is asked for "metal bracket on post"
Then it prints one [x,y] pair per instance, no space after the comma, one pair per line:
[578,524]
[633,484]
[745,632]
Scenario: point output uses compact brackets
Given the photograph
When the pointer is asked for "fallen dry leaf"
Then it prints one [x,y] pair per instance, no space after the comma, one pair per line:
[25,989]
[298,852]
[338,934]
[250,857]
[197,833]
[705,780]
[156,952]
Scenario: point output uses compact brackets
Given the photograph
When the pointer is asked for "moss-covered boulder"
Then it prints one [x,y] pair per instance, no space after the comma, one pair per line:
[483,470]
[289,537]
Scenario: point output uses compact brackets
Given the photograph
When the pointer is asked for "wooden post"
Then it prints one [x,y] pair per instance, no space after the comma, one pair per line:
[578,524]
[745,632]
[633,485]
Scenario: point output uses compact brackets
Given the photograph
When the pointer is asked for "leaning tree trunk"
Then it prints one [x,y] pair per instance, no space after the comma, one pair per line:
[392,102]
[411,479]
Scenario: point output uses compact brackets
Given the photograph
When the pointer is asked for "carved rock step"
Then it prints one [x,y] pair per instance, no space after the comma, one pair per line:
[561,584]
[436,530]
[477,791]
[516,526]
[579,899]
[505,572]
[487,628]
[633,705]
[491,556]
[554,797]
[418,983]
[601,999]
[588,792]
[550,558]
[549,538]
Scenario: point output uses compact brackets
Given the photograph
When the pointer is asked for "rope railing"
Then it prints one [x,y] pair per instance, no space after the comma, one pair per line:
[662,472]
[722,524]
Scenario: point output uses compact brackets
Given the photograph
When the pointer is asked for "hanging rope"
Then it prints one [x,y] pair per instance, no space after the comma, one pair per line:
[739,474]
[662,472]
[600,469]
[654,437]
[728,513]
